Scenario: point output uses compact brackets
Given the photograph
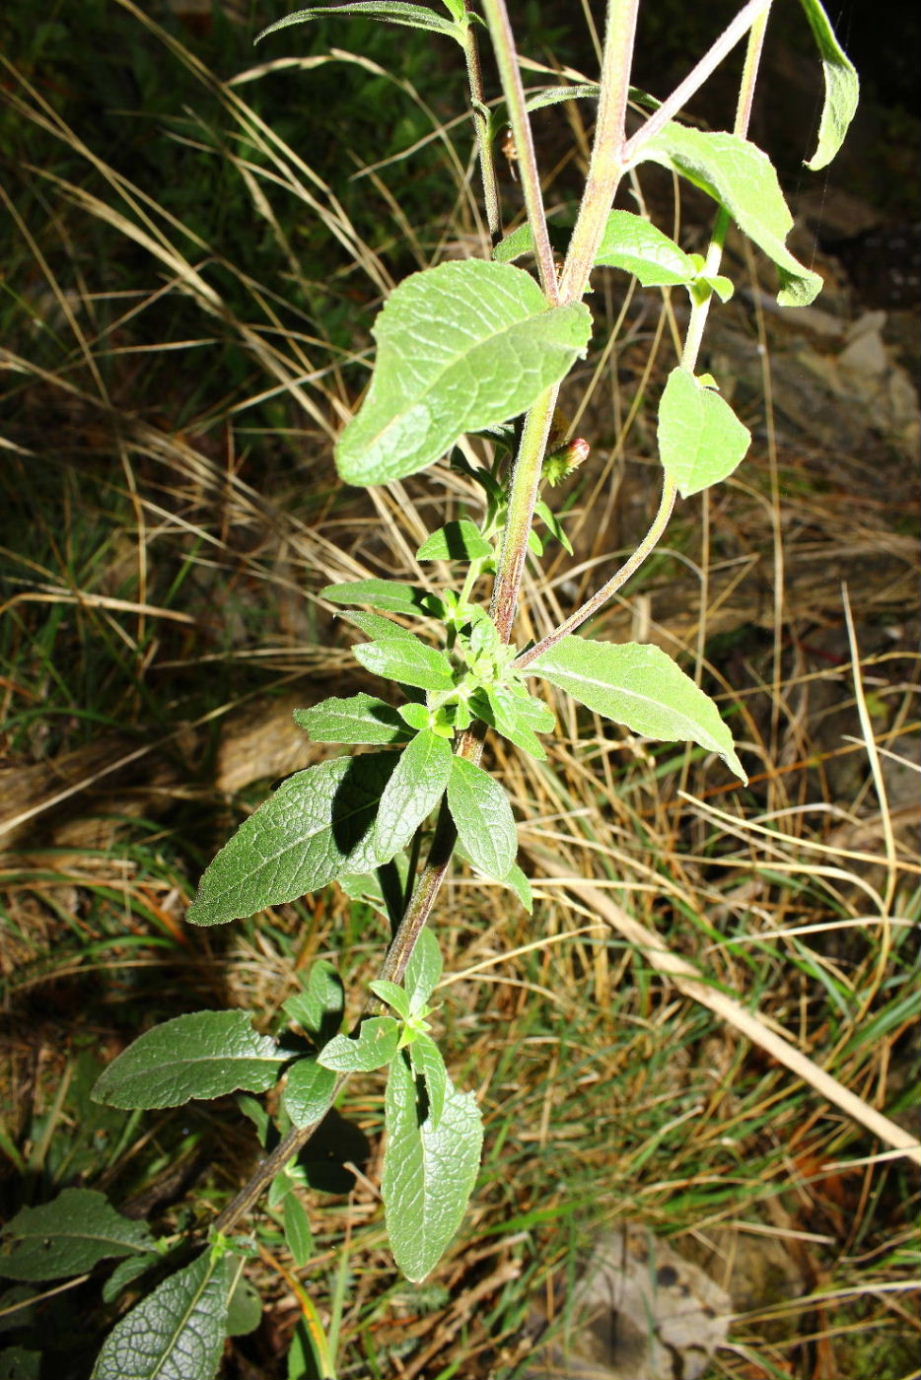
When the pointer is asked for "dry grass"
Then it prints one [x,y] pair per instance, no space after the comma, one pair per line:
[169,585]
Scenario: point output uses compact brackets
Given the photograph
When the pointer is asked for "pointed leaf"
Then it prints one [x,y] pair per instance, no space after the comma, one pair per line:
[701,440]
[842,87]
[423,972]
[177,1332]
[639,686]
[388,11]
[515,245]
[413,791]
[738,175]
[427,1064]
[634,244]
[309,1092]
[378,1038]
[461,346]
[518,716]
[391,595]
[204,1054]
[356,719]
[317,825]
[68,1236]
[483,816]
[393,994]
[429,1171]
[410,662]
[318,1008]
[298,1236]
[521,886]
[456,541]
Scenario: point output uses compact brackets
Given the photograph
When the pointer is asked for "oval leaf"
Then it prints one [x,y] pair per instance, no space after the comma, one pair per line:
[318,824]
[413,791]
[177,1332]
[394,596]
[429,1171]
[634,244]
[357,719]
[378,1038]
[484,819]
[309,1092]
[456,541]
[68,1236]
[202,1055]
[410,662]
[701,440]
[740,177]
[641,687]
[423,971]
[460,347]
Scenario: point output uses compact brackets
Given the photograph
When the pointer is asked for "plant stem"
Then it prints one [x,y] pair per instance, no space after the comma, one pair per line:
[481,125]
[503,42]
[607,163]
[601,596]
[731,35]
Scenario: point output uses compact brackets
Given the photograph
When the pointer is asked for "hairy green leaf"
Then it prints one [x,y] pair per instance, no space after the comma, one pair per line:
[318,1008]
[842,87]
[423,972]
[68,1236]
[375,624]
[308,1093]
[517,715]
[483,816]
[388,11]
[204,1054]
[357,719]
[394,596]
[634,244]
[377,1041]
[413,791]
[427,1064]
[639,686]
[429,1171]
[462,346]
[317,825]
[456,541]
[408,661]
[701,440]
[738,175]
[177,1332]
[394,995]
[515,245]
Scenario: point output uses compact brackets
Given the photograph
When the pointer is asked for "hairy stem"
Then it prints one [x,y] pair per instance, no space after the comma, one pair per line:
[500,31]
[481,125]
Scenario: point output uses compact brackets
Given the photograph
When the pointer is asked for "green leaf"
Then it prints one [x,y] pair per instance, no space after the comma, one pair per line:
[18,1363]
[204,1054]
[427,1064]
[550,520]
[375,624]
[318,1008]
[701,440]
[423,972]
[378,1038]
[521,886]
[429,1171]
[842,87]
[68,1236]
[317,825]
[391,595]
[518,716]
[456,541]
[125,1273]
[515,245]
[177,1332]
[408,662]
[309,1091]
[462,346]
[553,95]
[634,244]
[244,1309]
[484,819]
[413,791]
[356,719]
[298,1236]
[740,177]
[394,995]
[639,686]
[388,11]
